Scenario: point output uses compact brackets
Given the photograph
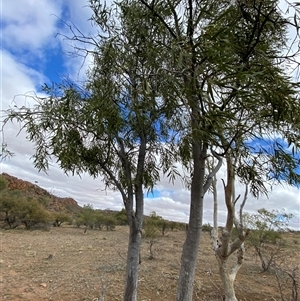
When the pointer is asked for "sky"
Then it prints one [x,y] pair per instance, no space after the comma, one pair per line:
[34,52]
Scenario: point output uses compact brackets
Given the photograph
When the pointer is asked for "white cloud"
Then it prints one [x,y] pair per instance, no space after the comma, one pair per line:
[17,79]
[78,18]
[30,24]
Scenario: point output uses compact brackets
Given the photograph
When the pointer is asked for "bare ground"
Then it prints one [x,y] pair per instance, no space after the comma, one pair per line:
[65,264]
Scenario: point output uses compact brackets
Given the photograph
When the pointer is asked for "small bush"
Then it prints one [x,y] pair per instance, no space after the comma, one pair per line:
[207,227]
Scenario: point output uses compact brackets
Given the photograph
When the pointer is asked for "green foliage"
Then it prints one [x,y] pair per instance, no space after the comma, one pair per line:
[43,200]
[173,225]
[99,219]
[95,218]
[3,183]
[110,222]
[17,209]
[152,230]
[121,217]
[86,217]
[207,227]
[155,225]
[10,208]
[266,228]
[60,217]
[171,80]
[33,214]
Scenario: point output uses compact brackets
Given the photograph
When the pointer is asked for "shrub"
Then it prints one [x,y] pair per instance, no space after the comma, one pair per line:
[207,227]
[59,218]
[266,227]
[121,217]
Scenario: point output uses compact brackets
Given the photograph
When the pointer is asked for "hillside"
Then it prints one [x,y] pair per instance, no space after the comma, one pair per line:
[53,203]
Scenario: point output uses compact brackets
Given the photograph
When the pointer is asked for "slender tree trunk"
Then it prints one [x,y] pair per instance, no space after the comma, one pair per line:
[191,245]
[225,249]
[135,220]
[133,258]
[214,232]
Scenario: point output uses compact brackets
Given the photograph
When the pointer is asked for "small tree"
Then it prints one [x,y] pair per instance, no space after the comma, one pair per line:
[17,209]
[121,217]
[31,213]
[87,217]
[60,217]
[3,184]
[288,279]
[266,229]
[173,225]
[109,222]
[158,222]
[99,219]
[10,208]
[152,232]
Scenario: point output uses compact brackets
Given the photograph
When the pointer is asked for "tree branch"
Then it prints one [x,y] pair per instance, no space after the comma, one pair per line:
[161,19]
[213,172]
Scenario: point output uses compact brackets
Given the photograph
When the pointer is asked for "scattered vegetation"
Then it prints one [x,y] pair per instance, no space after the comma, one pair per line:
[207,227]
[266,234]
[17,209]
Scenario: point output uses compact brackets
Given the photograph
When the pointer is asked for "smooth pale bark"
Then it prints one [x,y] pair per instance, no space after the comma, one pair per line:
[228,275]
[214,232]
[133,259]
[135,220]
[191,245]
[226,248]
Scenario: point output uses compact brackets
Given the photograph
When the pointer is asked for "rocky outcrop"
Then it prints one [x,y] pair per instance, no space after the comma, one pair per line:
[52,202]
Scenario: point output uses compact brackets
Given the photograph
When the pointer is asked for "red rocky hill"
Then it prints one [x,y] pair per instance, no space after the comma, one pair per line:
[52,203]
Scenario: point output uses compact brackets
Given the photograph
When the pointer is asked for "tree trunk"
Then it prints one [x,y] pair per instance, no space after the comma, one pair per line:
[227,281]
[133,259]
[214,232]
[191,245]
[225,248]
[135,220]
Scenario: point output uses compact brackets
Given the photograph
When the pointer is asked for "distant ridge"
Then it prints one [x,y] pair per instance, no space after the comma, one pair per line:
[54,203]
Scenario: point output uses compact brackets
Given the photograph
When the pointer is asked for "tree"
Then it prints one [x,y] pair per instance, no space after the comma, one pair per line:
[156,221]
[173,225]
[109,222]
[31,213]
[87,217]
[9,208]
[223,58]
[3,183]
[114,126]
[17,209]
[152,230]
[227,245]
[267,227]
[60,217]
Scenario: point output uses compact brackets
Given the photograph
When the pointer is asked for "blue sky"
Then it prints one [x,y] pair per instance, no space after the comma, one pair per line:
[33,54]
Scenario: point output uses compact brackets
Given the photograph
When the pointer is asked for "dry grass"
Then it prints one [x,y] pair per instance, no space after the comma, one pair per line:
[91,267]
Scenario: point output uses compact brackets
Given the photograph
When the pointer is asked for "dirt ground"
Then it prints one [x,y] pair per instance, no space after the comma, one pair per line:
[65,264]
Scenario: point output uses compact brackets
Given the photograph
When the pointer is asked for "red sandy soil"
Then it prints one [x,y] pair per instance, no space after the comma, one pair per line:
[65,264]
